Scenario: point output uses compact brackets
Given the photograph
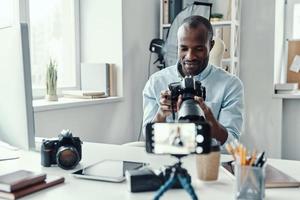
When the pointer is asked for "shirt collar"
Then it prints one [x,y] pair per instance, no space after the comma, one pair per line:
[200,76]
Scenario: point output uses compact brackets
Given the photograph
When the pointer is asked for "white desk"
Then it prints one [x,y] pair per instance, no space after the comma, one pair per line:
[81,189]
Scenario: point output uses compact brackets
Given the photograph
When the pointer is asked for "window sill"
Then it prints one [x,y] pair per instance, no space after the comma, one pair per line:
[42,105]
[295,95]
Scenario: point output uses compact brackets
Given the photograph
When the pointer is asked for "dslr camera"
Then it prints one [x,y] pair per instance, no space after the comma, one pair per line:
[189,109]
[64,151]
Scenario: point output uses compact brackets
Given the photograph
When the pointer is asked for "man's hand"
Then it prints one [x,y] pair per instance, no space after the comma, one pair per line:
[217,130]
[165,108]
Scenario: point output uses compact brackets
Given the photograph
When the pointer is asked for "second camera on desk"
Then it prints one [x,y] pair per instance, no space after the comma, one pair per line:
[64,151]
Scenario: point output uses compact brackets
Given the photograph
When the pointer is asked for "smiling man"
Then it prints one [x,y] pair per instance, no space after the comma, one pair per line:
[224,104]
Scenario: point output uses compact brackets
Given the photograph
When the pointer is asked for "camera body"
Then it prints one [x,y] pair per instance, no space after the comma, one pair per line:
[65,151]
[142,180]
[188,88]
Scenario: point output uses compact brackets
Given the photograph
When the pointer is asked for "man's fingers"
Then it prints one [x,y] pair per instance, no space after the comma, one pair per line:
[165,97]
[203,106]
[179,102]
[165,108]
[165,94]
[165,101]
[199,100]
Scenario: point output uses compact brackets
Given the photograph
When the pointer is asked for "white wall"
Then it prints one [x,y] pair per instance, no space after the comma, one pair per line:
[112,122]
[291,129]
[140,26]
[263,113]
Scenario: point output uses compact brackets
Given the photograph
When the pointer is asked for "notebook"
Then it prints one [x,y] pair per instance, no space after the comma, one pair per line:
[274,177]
[19,179]
[50,181]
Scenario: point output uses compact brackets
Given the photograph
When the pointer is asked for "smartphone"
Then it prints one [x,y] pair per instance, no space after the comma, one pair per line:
[108,170]
[178,138]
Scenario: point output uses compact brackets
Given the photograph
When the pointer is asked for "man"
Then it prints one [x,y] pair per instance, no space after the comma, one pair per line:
[223,107]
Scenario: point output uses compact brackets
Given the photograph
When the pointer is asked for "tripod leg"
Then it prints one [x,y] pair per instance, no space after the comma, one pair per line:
[170,182]
[187,186]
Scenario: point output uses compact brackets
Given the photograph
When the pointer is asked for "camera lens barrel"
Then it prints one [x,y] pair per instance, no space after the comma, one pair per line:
[67,157]
[190,110]
[45,159]
[46,151]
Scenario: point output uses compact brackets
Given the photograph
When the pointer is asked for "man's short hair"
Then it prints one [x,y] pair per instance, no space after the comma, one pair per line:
[195,21]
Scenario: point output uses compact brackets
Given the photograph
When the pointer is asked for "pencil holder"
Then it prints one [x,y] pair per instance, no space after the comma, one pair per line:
[250,182]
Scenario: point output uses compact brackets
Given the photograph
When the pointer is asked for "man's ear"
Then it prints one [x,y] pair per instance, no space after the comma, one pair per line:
[212,43]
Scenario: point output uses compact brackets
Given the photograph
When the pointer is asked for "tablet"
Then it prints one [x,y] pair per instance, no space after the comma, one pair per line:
[108,170]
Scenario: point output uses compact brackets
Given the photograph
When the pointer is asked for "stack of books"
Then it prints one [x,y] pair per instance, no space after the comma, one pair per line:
[83,94]
[19,183]
[286,88]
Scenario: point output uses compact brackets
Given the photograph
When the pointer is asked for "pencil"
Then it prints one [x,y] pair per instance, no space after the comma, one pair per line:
[253,158]
[230,150]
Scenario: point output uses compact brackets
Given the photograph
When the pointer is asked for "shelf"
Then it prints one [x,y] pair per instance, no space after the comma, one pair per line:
[227,60]
[215,23]
[225,23]
[221,23]
[295,95]
[166,25]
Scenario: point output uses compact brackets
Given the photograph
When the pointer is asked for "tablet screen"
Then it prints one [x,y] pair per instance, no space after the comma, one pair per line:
[108,170]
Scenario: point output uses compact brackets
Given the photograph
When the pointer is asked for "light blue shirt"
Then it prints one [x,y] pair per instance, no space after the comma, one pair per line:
[224,96]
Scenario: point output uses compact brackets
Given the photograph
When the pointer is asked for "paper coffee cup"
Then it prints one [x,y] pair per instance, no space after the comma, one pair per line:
[207,165]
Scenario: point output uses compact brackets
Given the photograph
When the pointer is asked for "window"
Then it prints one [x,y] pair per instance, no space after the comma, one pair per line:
[53,33]
[6,13]
[292,19]
[296,21]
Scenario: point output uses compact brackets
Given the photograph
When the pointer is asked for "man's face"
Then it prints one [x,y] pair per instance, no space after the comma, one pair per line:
[193,49]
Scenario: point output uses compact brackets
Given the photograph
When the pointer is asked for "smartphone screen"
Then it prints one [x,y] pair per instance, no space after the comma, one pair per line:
[108,170]
[174,138]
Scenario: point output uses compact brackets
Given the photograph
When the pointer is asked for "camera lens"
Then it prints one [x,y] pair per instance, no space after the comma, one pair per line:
[67,157]
[190,110]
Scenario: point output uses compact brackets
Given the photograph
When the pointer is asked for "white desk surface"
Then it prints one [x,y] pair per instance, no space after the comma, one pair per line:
[75,189]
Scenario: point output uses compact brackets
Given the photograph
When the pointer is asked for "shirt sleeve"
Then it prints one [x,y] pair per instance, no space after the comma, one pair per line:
[231,115]
[150,105]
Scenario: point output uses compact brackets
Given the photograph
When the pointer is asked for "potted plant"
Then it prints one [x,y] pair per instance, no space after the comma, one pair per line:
[51,81]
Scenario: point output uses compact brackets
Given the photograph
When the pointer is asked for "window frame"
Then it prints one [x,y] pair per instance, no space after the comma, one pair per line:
[39,93]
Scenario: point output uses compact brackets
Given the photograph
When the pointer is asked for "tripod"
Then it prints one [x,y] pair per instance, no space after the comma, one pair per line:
[178,175]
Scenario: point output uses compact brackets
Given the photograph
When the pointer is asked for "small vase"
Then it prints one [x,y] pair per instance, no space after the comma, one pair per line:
[51,97]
